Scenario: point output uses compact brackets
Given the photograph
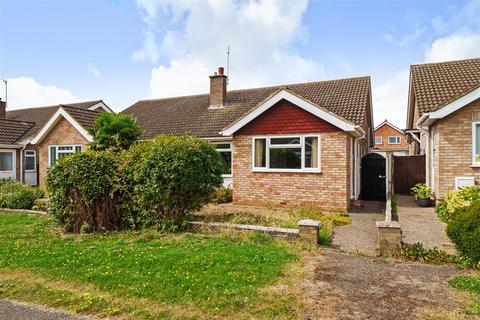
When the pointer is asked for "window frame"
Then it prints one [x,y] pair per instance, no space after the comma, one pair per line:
[226,150]
[34,157]
[13,161]
[399,140]
[301,145]
[475,163]
[74,146]
[378,137]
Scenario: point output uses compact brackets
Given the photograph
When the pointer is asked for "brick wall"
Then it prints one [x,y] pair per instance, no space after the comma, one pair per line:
[62,134]
[328,190]
[453,152]
[386,131]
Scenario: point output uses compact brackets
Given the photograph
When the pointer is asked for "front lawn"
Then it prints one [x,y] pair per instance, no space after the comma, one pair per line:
[470,284]
[139,274]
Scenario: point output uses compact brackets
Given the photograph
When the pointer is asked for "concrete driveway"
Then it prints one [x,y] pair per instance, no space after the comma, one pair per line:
[13,310]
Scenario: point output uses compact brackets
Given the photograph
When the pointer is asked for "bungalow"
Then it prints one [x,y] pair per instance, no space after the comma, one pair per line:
[443,122]
[31,139]
[298,144]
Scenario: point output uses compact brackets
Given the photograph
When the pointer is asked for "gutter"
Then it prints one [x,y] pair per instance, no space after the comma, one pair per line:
[10,146]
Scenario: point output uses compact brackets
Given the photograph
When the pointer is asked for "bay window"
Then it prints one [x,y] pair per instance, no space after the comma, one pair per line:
[58,152]
[225,150]
[286,153]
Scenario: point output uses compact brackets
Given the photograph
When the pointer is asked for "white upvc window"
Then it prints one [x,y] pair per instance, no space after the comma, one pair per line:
[476,144]
[394,140]
[6,161]
[293,153]
[30,160]
[225,150]
[378,140]
[60,151]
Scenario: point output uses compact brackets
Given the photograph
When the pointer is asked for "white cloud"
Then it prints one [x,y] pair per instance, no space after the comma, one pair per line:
[405,39]
[453,47]
[390,99]
[149,50]
[26,92]
[260,34]
[93,70]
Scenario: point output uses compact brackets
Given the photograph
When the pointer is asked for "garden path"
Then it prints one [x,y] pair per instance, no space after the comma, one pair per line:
[422,225]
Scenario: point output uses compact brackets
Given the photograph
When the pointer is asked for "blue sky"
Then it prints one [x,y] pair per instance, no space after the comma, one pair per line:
[123,51]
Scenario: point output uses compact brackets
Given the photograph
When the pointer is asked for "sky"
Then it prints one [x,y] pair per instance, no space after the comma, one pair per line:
[123,51]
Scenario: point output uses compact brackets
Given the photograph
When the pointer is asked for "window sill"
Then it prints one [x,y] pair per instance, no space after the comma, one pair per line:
[31,171]
[227,175]
[475,166]
[286,171]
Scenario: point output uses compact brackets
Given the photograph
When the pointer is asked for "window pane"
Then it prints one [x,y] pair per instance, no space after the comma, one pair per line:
[227,161]
[78,148]
[394,140]
[260,153]
[53,155]
[477,146]
[6,161]
[285,158]
[29,162]
[29,153]
[295,140]
[223,146]
[378,140]
[65,148]
[311,152]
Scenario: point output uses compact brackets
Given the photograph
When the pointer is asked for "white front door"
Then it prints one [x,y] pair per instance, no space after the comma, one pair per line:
[8,163]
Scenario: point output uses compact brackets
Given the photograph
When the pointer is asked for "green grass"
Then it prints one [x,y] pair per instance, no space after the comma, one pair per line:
[210,273]
[470,284]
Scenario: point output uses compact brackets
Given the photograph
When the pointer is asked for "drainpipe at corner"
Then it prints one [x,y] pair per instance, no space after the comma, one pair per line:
[24,146]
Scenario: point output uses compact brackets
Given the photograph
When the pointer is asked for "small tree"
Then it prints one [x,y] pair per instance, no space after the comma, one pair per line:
[114,131]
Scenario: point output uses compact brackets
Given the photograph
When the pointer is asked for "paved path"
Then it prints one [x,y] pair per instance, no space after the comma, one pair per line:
[422,225]
[360,235]
[13,310]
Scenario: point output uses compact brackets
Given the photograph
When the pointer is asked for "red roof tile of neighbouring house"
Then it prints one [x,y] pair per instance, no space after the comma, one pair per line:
[347,98]
[12,130]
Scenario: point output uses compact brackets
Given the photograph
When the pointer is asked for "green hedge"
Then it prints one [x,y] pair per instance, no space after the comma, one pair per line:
[464,230]
[154,182]
[15,195]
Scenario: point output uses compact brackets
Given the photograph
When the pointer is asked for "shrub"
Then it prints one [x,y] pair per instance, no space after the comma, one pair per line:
[175,175]
[457,200]
[15,195]
[221,195]
[464,230]
[40,205]
[422,191]
[83,191]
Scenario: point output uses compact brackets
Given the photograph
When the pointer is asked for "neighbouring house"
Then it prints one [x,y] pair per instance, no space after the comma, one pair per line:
[298,144]
[443,122]
[32,139]
[389,139]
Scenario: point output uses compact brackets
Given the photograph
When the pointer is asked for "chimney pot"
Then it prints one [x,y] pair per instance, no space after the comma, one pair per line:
[221,70]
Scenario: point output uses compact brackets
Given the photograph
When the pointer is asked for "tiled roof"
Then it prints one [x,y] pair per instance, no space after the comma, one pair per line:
[84,117]
[12,130]
[347,98]
[41,115]
[437,84]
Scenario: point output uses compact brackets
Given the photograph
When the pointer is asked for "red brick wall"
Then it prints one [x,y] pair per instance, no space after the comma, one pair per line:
[286,118]
[386,131]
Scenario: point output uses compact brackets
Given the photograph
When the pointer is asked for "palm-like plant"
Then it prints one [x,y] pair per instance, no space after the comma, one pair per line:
[114,131]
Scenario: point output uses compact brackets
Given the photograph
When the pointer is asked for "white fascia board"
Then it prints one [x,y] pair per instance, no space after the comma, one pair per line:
[102,105]
[456,104]
[10,146]
[422,119]
[385,122]
[317,111]
[54,120]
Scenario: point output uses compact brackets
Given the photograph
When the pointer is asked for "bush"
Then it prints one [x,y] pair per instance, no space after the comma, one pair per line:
[174,176]
[221,195]
[457,200]
[84,191]
[464,230]
[16,195]
[422,191]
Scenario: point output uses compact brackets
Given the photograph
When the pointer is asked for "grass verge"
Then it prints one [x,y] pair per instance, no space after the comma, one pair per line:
[469,284]
[139,274]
